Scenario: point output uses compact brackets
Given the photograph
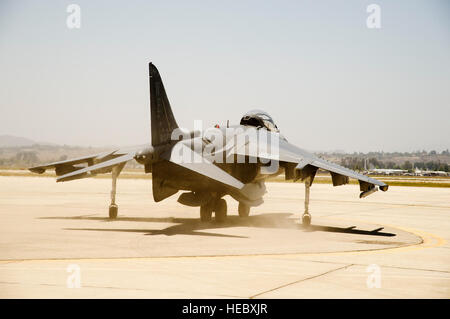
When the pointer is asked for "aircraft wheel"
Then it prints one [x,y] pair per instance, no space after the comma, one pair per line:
[221,210]
[206,212]
[113,209]
[306,220]
[244,210]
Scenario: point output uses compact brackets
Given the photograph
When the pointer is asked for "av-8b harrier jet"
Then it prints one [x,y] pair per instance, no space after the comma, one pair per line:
[233,160]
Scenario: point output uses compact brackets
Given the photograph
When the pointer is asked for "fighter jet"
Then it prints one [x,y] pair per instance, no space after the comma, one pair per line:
[233,160]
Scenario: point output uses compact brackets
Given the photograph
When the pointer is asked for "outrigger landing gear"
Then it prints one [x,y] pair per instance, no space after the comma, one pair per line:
[113,208]
[306,218]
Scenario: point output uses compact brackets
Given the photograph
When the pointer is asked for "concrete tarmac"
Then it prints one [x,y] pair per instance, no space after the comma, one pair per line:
[55,236]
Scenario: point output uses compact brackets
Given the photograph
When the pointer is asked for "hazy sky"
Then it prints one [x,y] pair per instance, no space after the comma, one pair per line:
[328,81]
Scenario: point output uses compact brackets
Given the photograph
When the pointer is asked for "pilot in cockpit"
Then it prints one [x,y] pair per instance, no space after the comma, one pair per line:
[259,118]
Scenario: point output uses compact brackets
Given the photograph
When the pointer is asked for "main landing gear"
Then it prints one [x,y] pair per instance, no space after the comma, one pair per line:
[113,208]
[244,210]
[216,205]
[219,207]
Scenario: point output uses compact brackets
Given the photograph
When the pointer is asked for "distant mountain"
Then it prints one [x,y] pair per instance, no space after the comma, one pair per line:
[15,141]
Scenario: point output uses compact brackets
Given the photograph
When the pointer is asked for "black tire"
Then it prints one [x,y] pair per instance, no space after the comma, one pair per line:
[244,210]
[113,210]
[306,220]
[206,213]
[220,210]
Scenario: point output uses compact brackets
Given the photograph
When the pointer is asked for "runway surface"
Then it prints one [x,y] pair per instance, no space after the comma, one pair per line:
[57,236]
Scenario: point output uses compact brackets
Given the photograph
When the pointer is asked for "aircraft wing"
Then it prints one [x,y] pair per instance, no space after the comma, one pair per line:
[289,153]
[337,169]
[87,166]
[105,167]
[74,161]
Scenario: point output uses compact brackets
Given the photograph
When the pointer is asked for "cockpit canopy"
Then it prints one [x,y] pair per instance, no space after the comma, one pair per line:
[259,118]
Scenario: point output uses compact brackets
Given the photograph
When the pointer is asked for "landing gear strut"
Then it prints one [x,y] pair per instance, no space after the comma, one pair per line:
[306,218]
[113,208]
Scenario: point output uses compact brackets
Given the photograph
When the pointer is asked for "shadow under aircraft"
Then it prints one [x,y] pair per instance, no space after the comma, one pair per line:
[193,226]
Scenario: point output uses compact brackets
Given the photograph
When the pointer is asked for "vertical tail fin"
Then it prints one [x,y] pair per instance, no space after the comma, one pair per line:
[162,119]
